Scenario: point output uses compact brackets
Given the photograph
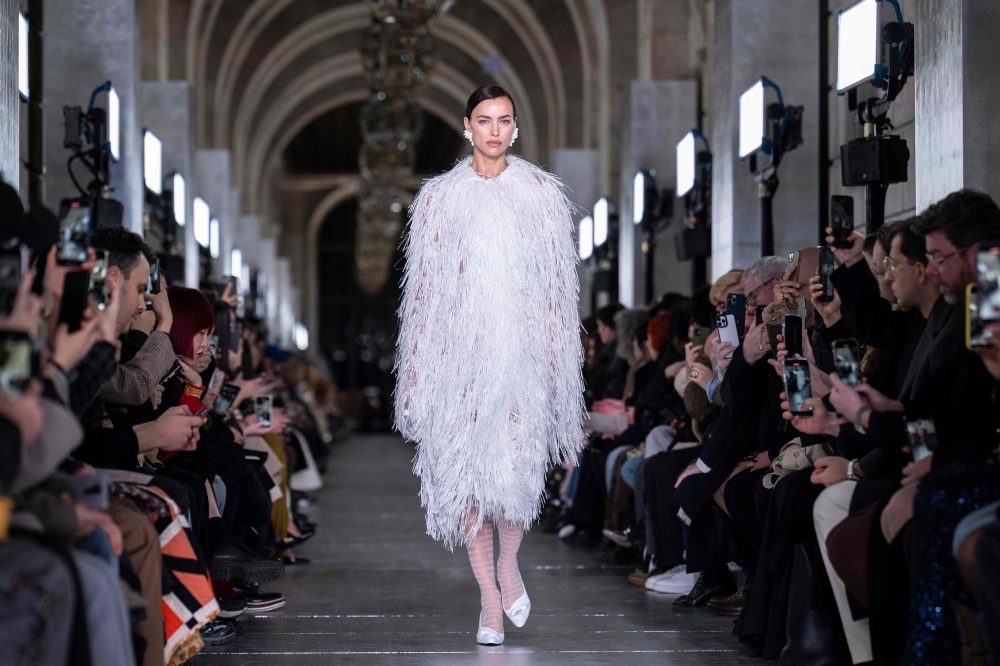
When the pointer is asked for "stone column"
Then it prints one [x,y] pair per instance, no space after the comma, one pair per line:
[956,98]
[10,112]
[86,43]
[656,116]
[167,113]
[213,185]
[780,40]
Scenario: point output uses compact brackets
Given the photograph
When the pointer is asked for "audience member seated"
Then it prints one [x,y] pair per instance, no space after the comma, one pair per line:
[137,516]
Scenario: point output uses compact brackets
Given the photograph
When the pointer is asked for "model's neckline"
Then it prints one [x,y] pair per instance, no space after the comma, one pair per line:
[488,178]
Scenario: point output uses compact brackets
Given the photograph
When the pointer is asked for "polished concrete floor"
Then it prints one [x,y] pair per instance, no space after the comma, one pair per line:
[380,591]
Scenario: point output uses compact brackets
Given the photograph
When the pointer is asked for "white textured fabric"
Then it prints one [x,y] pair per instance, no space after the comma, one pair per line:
[489,359]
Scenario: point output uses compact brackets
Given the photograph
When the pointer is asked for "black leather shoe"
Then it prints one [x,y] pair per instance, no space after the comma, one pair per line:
[731,605]
[229,608]
[257,601]
[238,561]
[710,584]
[218,632]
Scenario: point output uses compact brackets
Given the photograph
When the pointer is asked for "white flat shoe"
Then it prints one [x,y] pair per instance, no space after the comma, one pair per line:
[486,636]
[518,613]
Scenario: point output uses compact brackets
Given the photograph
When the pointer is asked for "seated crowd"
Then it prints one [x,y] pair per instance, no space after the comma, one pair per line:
[143,504]
[863,527]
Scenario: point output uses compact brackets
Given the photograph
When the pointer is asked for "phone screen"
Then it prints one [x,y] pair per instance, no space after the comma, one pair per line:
[922,435]
[92,490]
[15,363]
[227,394]
[791,334]
[798,385]
[841,220]
[98,291]
[825,271]
[154,277]
[846,361]
[262,408]
[736,305]
[74,233]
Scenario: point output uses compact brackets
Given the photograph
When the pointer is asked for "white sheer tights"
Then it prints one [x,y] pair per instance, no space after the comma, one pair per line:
[480,549]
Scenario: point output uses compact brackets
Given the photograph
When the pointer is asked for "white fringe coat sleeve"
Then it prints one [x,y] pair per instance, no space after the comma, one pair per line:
[489,359]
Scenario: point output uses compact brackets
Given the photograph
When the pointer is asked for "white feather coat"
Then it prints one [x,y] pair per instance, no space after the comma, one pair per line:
[488,363]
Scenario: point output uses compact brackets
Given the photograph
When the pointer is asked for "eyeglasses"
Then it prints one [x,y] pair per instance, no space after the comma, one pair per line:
[752,296]
[891,266]
[939,261]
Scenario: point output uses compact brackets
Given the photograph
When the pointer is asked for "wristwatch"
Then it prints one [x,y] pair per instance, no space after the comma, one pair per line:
[851,476]
[858,416]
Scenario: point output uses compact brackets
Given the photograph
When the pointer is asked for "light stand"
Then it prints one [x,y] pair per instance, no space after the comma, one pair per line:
[605,252]
[879,160]
[652,213]
[93,136]
[782,133]
[694,185]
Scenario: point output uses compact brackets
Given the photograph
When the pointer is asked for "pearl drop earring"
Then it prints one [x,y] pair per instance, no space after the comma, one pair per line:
[468,135]
[512,138]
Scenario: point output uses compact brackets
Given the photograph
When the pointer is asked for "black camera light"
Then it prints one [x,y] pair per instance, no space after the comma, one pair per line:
[868,51]
[772,130]
[694,185]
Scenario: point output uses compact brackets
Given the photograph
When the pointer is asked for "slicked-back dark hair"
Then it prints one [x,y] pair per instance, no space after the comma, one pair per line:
[484,93]
[123,247]
[966,217]
[911,243]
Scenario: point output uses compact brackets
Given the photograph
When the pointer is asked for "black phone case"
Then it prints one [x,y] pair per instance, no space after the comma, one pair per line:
[76,289]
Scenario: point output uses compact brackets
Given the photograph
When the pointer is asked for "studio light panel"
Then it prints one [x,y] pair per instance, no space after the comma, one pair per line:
[586,237]
[686,156]
[857,44]
[152,162]
[752,119]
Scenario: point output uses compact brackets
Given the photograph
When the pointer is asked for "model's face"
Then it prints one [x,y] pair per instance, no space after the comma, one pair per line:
[492,124]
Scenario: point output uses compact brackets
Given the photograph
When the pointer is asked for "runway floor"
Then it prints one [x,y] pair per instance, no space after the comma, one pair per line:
[380,591]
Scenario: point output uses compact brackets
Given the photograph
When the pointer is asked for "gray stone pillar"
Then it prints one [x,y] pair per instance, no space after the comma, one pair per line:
[213,185]
[956,98]
[10,113]
[88,42]
[580,171]
[167,113]
[656,116]
[780,40]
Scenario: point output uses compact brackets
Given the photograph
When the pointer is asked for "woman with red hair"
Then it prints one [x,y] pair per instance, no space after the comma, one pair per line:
[194,321]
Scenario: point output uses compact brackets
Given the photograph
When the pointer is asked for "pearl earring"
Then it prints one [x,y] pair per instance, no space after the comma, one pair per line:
[468,135]
[512,138]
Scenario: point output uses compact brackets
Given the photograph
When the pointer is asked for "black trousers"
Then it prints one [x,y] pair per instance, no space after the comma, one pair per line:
[659,475]
[987,573]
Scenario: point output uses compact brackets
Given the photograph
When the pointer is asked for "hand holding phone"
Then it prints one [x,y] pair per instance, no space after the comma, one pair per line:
[726,324]
[227,394]
[798,384]
[791,334]
[841,220]
[847,361]
[262,405]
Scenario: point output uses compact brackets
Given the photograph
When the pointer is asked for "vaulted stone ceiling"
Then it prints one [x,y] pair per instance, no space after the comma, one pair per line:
[263,70]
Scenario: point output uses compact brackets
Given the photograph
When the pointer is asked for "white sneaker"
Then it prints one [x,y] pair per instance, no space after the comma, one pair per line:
[567,530]
[679,569]
[679,584]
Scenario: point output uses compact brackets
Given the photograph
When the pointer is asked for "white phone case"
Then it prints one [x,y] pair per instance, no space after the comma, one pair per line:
[729,333]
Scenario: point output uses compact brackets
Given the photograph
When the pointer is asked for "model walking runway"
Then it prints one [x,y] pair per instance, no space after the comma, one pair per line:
[380,591]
